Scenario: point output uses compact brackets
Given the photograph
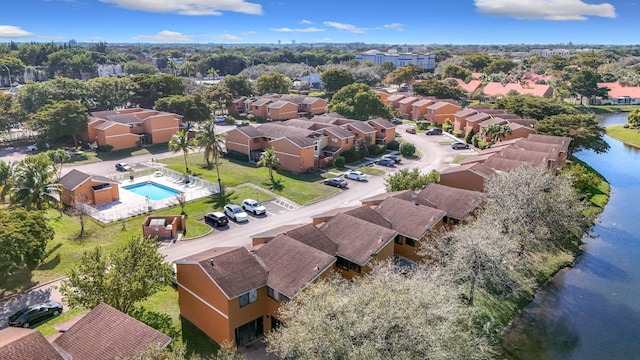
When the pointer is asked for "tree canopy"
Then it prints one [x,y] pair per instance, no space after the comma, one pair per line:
[60,119]
[238,85]
[359,102]
[438,89]
[273,83]
[402,74]
[192,107]
[128,275]
[149,88]
[584,130]
[410,179]
[533,107]
[335,79]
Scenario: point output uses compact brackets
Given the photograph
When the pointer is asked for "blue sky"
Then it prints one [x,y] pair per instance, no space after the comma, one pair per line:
[303,21]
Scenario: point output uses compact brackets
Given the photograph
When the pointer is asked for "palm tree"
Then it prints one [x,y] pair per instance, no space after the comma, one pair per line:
[181,142]
[269,160]
[7,171]
[212,143]
[188,67]
[33,186]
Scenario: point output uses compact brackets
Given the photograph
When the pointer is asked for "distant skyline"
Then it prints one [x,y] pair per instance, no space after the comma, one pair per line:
[271,21]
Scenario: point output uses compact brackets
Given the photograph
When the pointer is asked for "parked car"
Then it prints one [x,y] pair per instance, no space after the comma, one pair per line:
[34,314]
[252,206]
[34,147]
[235,213]
[337,182]
[385,162]
[396,121]
[396,159]
[434,131]
[123,166]
[220,119]
[356,175]
[216,219]
[459,145]
[411,130]
[241,123]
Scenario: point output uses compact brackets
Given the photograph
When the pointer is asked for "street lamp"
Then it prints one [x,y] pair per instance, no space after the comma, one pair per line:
[8,72]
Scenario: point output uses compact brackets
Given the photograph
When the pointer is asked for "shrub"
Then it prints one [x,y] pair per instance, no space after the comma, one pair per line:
[339,162]
[474,140]
[230,119]
[104,148]
[407,149]
[469,138]
[457,133]
[350,155]
[422,125]
[447,126]
[393,145]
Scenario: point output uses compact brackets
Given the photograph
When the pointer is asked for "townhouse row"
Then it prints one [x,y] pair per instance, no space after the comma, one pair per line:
[233,294]
[275,107]
[303,144]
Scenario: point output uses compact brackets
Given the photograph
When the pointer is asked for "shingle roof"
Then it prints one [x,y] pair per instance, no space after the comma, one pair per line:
[249,131]
[262,101]
[311,99]
[423,102]
[107,124]
[299,123]
[273,232]
[75,178]
[338,131]
[106,333]
[235,270]
[361,126]
[409,219]
[402,194]
[358,240]
[280,103]
[292,264]
[25,344]
[478,117]
[466,112]
[310,235]
[408,100]
[382,122]
[440,104]
[370,215]
[457,203]
[124,118]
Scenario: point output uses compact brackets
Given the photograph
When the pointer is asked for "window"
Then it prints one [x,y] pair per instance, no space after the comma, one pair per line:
[284,299]
[410,242]
[334,140]
[256,140]
[346,141]
[248,298]
[383,130]
[272,293]
[347,265]
[398,240]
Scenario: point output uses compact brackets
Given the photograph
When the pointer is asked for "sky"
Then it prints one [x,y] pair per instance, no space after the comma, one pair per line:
[329,21]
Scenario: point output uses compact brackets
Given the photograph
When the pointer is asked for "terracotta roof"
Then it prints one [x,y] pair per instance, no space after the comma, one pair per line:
[496,161]
[469,87]
[358,240]
[409,219]
[310,235]
[550,139]
[497,89]
[75,178]
[25,344]
[552,149]
[384,123]
[234,270]
[616,90]
[292,264]
[106,333]
[457,203]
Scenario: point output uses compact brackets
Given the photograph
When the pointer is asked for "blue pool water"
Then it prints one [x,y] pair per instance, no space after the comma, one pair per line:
[152,190]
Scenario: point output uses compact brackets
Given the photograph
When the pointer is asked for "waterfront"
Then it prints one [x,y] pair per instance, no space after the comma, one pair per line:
[592,311]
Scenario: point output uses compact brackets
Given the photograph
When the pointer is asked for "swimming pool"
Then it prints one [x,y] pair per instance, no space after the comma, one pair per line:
[152,190]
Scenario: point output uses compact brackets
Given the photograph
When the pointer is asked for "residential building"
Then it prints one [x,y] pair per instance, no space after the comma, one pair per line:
[620,95]
[282,110]
[425,61]
[404,105]
[89,189]
[458,204]
[440,111]
[127,128]
[274,107]
[420,108]
[26,344]
[467,176]
[494,90]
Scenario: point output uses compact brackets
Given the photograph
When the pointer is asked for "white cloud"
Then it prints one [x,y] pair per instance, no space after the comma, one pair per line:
[305,30]
[346,27]
[8,31]
[394,26]
[545,9]
[229,37]
[250,32]
[166,36]
[190,7]
[306,22]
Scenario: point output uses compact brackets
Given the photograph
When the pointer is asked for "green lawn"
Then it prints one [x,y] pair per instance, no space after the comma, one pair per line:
[299,188]
[371,170]
[88,157]
[460,158]
[628,136]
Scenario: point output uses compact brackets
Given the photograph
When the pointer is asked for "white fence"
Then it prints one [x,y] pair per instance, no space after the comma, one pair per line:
[193,188]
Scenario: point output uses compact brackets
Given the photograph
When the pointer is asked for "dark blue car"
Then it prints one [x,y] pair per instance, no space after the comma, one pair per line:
[34,314]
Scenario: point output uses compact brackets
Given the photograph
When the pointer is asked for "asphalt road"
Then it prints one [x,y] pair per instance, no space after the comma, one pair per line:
[435,154]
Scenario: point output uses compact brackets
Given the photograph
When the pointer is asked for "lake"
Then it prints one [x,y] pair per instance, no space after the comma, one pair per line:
[592,311]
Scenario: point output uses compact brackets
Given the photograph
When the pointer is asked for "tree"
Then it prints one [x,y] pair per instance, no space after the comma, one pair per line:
[584,83]
[584,130]
[79,209]
[128,275]
[66,118]
[533,107]
[455,71]
[135,68]
[358,101]
[23,239]
[584,181]
[34,95]
[238,85]
[273,83]
[192,107]
[7,171]
[269,159]
[478,61]
[212,144]
[58,157]
[108,93]
[149,88]
[335,79]
[361,319]
[181,142]
[495,132]
[33,186]
[407,148]
[499,65]
[220,96]
[402,74]
[634,118]
[410,179]
[438,89]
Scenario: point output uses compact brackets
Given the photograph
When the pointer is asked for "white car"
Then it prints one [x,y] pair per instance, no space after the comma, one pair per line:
[252,206]
[356,175]
[235,213]
[220,119]
[34,147]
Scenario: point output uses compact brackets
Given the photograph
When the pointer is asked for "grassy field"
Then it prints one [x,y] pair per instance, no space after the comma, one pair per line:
[628,136]
[88,157]
[300,188]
